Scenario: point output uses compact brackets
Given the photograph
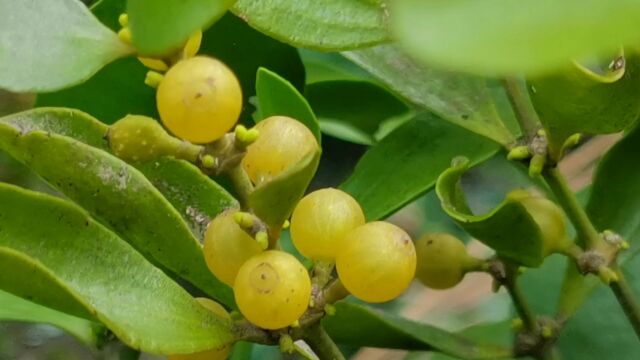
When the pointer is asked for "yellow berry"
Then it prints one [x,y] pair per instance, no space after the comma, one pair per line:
[272,289]
[199,99]
[376,261]
[213,354]
[551,221]
[442,260]
[141,138]
[321,220]
[283,142]
[227,247]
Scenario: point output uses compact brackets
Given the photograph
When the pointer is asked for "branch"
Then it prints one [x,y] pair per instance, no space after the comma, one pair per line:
[321,343]
[525,114]
[625,297]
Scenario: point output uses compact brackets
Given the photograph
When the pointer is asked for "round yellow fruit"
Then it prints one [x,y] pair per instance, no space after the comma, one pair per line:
[321,220]
[272,289]
[282,143]
[227,247]
[442,260]
[213,354]
[376,261]
[199,99]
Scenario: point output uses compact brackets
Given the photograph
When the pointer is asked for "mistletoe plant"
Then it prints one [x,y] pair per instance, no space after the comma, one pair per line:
[180,139]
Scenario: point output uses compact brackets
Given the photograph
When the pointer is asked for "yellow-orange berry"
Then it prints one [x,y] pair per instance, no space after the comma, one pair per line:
[282,143]
[199,99]
[321,220]
[376,262]
[272,289]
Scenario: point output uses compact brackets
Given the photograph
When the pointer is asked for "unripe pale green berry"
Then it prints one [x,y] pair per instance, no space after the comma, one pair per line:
[272,289]
[321,220]
[141,138]
[227,247]
[376,261]
[550,220]
[282,143]
[442,260]
[199,99]
[213,354]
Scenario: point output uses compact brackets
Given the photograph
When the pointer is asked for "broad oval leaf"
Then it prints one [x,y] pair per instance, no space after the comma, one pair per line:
[353,110]
[48,45]
[508,228]
[323,25]
[407,162]
[464,100]
[196,197]
[112,190]
[610,207]
[276,96]
[358,325]
[14,308]
[161,26]
[274,200]
[140,304]
[579,99]
[505,37]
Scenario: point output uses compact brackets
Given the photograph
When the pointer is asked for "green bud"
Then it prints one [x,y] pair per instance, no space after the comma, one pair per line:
[537,165]
[153,79]
[519,153]
[141,138]
[263,239]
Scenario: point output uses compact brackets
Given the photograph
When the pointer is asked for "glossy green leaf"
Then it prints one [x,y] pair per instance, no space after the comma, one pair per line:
[494,333]
[196,197]
[353,110]
[610,207]
[323,25]
[407,162]
[277,96]
[106,276]
[509,229]
[14,308]
[580,99]
[274,200]
[328,66]
[112,190]
[358,325]
[159,27]
[504,37]
[465,100]
[47,45]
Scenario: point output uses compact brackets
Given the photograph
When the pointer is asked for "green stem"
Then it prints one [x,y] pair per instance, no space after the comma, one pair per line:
[321,343]
[627,301]
[242,184]
[525,114]
[587,233]
[522,307]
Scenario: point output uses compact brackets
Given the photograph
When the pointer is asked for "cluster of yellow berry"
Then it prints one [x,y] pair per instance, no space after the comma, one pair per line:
[199,100]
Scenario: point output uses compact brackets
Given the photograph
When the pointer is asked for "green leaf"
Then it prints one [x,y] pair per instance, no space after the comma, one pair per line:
[579,99]
[358,325]
[323,25]
[504,37]
[274,200]
[142,306]
[196,197]
[52,44]
[159,27]
[328,66]
[408,161]
[509,229]
[611,206]
[465,100]
[353,110]
[14,308]
[495,332]
[112,190]
[276,96]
